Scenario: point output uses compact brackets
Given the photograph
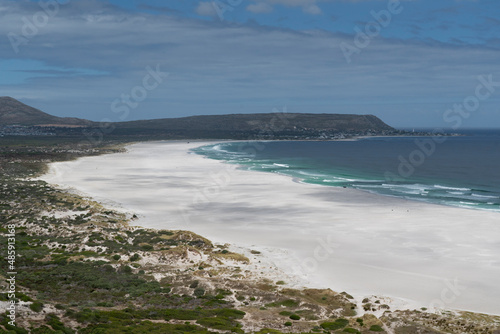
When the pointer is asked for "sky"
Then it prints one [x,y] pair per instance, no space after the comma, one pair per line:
[413,63]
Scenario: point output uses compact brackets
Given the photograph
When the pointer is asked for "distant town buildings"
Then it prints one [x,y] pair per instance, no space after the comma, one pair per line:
[21,130]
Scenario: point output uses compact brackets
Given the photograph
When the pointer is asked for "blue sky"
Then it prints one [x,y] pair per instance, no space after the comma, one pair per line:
[407,62]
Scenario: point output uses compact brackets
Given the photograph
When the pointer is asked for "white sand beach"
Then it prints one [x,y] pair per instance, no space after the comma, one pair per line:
[343,239]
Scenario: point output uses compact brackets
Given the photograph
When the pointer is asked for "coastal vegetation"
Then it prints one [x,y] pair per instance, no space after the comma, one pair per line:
[83,268]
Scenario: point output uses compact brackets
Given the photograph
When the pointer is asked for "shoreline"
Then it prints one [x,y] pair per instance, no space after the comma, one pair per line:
[302,180]
[377,267]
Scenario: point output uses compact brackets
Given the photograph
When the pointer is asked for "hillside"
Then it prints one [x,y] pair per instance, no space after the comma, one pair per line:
[263,122]
[272,125]
[235,126]
[14,112]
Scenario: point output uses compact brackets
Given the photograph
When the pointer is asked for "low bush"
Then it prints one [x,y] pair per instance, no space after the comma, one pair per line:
[337,324]
[36,306]
[286,313]
[198,292]
[135,257]
[376,328]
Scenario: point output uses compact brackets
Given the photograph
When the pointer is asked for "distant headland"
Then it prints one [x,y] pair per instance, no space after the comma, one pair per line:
[17,118]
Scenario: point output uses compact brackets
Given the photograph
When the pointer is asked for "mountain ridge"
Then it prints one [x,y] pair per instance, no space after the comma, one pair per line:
[231,126]
[14,112]
[263,122]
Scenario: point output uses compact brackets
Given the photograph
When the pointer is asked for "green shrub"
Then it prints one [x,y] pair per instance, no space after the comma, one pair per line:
[24,298]
[288,323]
[289,303]
[142,327]
[198,292]
[42,330]
[116,257]
[127,269]
[286,313]
[36,306]
[348,296]
[268,331]
[221,324]
[286,303]
[376,328]
[295,317]
[135,257]
[54,322]
[337,324]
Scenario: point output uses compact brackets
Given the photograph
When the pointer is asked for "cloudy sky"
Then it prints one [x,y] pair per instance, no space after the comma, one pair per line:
[412,63]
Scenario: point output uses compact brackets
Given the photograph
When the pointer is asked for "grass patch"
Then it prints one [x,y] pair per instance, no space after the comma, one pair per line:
[232,256]
[286,313]
[286,303]
[376,328]
[337,324]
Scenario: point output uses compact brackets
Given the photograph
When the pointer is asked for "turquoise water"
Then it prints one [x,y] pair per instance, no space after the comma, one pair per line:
[459,171]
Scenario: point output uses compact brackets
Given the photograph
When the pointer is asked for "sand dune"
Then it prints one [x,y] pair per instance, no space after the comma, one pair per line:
[348,240]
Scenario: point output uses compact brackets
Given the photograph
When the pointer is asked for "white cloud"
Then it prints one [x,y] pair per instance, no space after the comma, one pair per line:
[265,6]
[312,9]
[293,3]
[218,68]
[206,9]
[259,8]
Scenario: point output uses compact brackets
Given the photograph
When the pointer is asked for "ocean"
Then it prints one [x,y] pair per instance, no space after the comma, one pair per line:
[461,171]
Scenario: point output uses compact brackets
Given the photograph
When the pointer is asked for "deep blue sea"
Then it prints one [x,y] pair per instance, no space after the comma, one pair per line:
[459,171]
